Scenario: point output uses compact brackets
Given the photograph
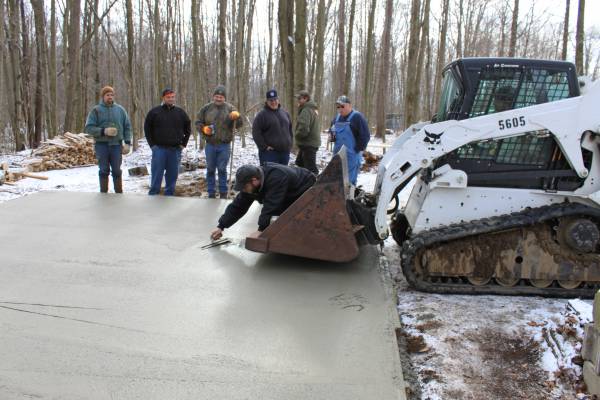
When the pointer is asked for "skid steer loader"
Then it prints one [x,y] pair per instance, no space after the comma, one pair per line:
[506,195]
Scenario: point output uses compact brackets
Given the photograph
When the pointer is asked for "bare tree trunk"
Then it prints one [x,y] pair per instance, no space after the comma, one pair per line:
[270,53]
[13,33]
[159,83]
[348,72]
[133,100]
[320,51]
[246,73]
[369,61]
[422,52]
[341,62]
[427,106]
[579,39]
[411,93]
[513,30]
[40,37]
[565,38]
[441,53]
[232,62]
[384,70]
[238,63]
[71,96]
[503,18]
[286,20]
[53,117]
[222,76]
[86,54]
[300,47]
[26,74]
[203,76]
[95,54]
[459,40]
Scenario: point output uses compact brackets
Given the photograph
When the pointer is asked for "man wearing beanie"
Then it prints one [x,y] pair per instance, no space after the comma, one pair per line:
[110,126]
[167,129]
[216,122]
[272,131]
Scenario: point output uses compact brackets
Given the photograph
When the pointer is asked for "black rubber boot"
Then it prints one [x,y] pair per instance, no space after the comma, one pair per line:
[118,183]
[104,184]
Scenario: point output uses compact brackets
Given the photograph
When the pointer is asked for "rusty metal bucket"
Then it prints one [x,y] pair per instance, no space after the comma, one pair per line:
[318,224]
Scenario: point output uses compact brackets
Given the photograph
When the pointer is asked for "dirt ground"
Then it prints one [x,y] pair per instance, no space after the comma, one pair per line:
[487,347]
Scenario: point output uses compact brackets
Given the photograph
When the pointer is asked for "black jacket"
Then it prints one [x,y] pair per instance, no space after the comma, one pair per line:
[281,186]
[273,128]
[167,126]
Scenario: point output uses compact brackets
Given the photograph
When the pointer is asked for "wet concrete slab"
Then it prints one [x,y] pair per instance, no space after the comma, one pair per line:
[112,297]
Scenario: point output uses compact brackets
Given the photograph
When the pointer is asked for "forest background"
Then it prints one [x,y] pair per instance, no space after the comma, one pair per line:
[387,55]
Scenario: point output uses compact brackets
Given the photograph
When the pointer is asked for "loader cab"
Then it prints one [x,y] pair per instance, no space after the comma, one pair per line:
[472,87]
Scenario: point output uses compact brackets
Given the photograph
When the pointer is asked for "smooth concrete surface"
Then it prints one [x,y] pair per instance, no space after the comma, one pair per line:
[111,297]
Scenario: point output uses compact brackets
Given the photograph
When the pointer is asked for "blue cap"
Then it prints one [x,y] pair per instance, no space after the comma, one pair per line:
[272,94]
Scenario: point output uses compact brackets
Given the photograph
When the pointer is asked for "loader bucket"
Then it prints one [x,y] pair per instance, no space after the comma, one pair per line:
[318,224]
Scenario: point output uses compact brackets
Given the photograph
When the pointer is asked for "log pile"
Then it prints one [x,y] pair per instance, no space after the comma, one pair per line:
[10,177]
[62,152]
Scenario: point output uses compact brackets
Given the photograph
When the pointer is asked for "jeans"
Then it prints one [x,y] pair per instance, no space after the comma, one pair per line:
[109,159]
[217,156]
[165,162]
[280,157]
[307,158]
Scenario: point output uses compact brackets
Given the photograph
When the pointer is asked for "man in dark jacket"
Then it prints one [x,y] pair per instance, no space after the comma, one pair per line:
[308,132]
[272,131]
[110,126]
[216,122]
[167,129]
[273,185]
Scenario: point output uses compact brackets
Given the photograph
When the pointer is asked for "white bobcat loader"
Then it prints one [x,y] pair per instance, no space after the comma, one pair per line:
[506,198]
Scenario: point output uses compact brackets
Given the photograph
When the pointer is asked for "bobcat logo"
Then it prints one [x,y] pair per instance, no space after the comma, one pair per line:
[432,137]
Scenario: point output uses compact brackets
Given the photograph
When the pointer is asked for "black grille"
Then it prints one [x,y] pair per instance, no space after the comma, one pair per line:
[501,88]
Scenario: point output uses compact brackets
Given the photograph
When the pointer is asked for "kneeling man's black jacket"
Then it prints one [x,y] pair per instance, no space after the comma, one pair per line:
[281,186]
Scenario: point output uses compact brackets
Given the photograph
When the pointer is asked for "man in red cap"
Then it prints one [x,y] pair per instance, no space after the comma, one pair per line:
[167,129]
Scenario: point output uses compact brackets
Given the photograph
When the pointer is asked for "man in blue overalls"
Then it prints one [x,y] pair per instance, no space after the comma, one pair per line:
[350,128]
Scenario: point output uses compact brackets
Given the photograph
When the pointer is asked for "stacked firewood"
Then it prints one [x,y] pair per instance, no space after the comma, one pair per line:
[10,176]
[62,152]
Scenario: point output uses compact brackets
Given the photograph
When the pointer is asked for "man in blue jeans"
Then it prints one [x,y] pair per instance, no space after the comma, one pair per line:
[272,131]
[167,129]
[216,122]
[110,126]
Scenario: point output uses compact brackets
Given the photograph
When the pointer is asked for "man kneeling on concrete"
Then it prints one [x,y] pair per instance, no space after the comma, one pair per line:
[273,185]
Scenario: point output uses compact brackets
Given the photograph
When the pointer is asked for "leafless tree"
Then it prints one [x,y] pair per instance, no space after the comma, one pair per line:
[384,70]
[579,37]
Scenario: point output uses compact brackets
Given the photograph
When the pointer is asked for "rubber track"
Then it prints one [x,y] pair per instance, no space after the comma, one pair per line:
[526,218]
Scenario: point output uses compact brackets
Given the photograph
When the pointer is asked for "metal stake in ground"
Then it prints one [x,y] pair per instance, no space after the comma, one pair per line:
[231,161]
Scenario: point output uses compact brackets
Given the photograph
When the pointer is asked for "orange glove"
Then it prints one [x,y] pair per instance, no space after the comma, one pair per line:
[207,130]
[234,115]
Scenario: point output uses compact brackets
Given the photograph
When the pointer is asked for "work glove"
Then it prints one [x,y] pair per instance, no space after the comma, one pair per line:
[207,130]
[110,131]
[234,115]
[125,148]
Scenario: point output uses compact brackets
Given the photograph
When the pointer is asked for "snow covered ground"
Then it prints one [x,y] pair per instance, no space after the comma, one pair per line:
[453,347]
